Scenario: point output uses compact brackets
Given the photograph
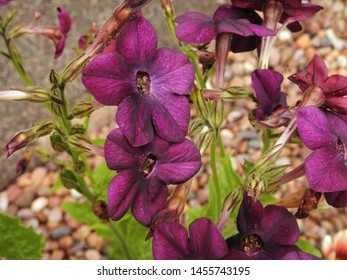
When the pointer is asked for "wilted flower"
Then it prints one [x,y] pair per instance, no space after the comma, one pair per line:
[147,84]
[266,233]
[336,199]
[198,28]
[334,87]
[326,134]
[335,247]
[272,105]
[205,242]
[144,172]
[4,2]
[57,34]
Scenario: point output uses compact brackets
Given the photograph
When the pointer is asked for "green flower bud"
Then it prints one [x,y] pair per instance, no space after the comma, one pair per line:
[68,178]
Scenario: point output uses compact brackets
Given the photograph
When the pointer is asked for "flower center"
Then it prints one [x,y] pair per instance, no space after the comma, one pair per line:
[148,165]
[143,82]
[252,243]
[341,147]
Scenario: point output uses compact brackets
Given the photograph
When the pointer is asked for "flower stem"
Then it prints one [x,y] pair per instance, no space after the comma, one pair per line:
[121,241]
[215,176]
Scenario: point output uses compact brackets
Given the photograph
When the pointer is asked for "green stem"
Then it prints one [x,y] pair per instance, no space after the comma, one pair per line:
[121,241]
[221,145]
[84,188]
[215,175]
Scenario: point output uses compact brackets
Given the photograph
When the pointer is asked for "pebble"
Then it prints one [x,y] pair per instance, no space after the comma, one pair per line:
[25,199]
[12,210]
[81,233]
[303,41]
[248,134]
[335,41]
[65,242]
[33,222]
[95,241]
[3,201]
[55,215]
[24,180]
[54,201]
[25,213]
[39,204]
[92,255]
[38,175]
[57,254]
[60,232]
[13,192]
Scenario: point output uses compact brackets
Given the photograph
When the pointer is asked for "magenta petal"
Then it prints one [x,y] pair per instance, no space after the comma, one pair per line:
[317,70]
[65,21]
[175,114]
[298,15]
[279,226]
[313,128]
[195,28]
[169,246]
[236,255]
[135,120]
[165,126]
[298,255]
[119,154]
[248,221]
[60,47]
[121,192]
[137,41]
[301,80]
[107,78]
[178,163]
[234,26]
[337,199]
[335,86]
[337,104]
[206,242]
[171,72]
[149,200]
[326,170]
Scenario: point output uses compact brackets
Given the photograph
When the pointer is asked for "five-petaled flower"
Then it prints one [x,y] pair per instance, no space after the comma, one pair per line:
[144,172]
[334,88]
[205,242]
[325,134]
[198,28]
[148,85]
[266,233]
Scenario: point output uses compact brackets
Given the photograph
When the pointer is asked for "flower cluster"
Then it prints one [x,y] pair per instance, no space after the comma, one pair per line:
[268,233]
[149,150]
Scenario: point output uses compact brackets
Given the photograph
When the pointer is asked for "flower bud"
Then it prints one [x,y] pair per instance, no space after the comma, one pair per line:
[77,129]
[54,77]
[26,137]
[84,145]
[100,210]
[68,178]
[58,143]
[30,94]
[217,113]
[196,127]
[85,109]
[199,104]
[204,141]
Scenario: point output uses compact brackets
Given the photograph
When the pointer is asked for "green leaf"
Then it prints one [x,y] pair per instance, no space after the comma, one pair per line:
[102,177]
[195,213]
[18,242]
[81,212]
[99,142]
[307,247]
[57,185]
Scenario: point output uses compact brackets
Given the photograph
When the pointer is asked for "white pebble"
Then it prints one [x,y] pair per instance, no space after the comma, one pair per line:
[39,204]
[3,202]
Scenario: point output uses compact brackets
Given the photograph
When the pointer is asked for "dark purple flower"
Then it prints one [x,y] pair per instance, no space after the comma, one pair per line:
[4,2]
[198,28]
[144,172]
[272,105]
[266,233]
[205,242]
[148,85]
[337,199]
[334,87]
[291,12]
[326,135]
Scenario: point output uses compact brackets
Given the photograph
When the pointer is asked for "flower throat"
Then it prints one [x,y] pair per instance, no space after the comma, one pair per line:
[143,83]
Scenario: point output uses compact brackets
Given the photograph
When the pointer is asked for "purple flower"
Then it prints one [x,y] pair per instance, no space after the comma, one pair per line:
[337,199]
[272,105]
[291,11]
[148,85]
[198,28]
[333,87]
[144,172]
[266,233]
[205,242]
[4,2]
[326,135]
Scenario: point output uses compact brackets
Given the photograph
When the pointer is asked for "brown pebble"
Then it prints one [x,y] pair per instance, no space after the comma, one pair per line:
[51,245]
[57,255]
[94,241]
[303,41]
[25,199]
[13,192]
[54,201]
[65,242]
[24,180]
[38,175]
[92,255]
[41,217]
[12,210]
[81,233]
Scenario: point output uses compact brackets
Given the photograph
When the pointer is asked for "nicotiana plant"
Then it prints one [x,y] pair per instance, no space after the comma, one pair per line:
[170,108]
